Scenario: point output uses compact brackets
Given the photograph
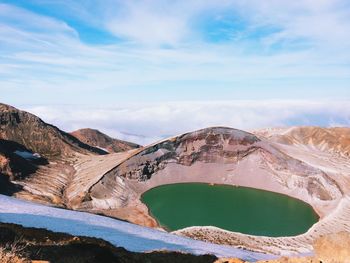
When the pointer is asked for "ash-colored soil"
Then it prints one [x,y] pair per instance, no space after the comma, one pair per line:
[331,248]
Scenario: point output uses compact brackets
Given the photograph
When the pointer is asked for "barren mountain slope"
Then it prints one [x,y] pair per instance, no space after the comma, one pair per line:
[36,244]
[333,140]
[225,156]
[98,139]
[312,166]
[12,165]
[43,161]
[132,237]
[16,163]
[37,156]
[38,136]
[328,149]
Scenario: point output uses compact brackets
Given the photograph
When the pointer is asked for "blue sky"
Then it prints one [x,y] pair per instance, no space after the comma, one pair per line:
[95,53]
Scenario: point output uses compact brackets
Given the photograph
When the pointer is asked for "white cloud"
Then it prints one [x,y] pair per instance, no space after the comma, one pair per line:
[41,56]
[323,22]
[139,22]
[26,30]
[150,122]
[43,60]
[33,22]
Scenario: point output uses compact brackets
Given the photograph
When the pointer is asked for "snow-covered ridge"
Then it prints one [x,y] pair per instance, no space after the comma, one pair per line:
[119,233]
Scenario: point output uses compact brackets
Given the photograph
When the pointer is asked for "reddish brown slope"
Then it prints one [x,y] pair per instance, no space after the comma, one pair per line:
[98,139]
[333,140]
[39,137]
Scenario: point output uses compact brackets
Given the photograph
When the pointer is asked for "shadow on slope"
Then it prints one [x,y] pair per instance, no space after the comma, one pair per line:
[135,241]
[13,166]
[39,136]
[41,244]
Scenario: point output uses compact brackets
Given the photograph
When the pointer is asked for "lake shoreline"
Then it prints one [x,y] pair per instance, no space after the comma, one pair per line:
[243,193]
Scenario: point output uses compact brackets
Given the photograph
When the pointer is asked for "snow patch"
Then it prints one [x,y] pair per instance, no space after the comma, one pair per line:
[132,237]
[28,155]
[103,149]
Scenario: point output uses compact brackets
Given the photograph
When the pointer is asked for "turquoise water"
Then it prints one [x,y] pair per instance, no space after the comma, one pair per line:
[239,209]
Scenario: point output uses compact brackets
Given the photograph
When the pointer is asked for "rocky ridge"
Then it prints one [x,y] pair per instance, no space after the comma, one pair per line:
[102,141]
[332,140]
[30,131]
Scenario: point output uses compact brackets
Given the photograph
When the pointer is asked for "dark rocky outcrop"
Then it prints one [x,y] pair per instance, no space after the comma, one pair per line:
[14,167]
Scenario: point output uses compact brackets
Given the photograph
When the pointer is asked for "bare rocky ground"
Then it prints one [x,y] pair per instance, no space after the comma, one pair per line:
[98,139]
[34,245]
[308,163]
[26,245]
[332,248]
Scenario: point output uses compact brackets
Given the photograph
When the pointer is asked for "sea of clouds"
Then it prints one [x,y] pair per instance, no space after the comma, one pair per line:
[147,123]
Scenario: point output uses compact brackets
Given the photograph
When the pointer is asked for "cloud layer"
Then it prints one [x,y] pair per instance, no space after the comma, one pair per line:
[93,52]
[148,123]
[119,65]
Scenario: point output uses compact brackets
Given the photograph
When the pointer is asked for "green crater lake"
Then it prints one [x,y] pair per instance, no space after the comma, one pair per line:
[239,209]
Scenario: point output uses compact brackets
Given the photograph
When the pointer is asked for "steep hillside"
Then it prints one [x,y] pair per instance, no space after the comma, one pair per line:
[118,233]
[16,161]
[36,158]
[333,140]
[98,139]
[13,166]
[41,244]
[332,248]
[38,136]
